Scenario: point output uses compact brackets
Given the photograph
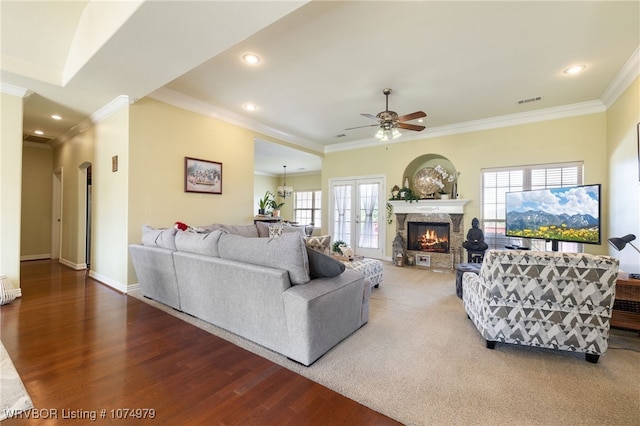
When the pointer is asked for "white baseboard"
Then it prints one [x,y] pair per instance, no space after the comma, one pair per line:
[35,257]
[70,264]
[122,288]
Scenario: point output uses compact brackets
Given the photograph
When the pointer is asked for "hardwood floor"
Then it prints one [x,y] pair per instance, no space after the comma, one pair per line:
[80,345]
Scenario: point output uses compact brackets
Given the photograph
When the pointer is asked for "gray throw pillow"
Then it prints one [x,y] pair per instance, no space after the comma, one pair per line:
[159,237]
[205,244]
[322,265]
[286,252]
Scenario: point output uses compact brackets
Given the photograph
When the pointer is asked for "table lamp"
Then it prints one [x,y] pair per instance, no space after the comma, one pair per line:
[620,243]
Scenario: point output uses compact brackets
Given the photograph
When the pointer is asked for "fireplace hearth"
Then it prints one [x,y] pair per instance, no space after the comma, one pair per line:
[431,237]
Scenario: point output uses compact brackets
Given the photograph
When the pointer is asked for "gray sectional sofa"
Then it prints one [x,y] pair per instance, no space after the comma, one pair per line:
[273,291]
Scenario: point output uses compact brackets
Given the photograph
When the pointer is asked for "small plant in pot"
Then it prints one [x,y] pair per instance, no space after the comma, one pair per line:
[335,247]
[265,202]
[275,207]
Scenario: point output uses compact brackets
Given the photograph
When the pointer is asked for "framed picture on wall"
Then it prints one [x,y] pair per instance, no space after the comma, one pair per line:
[202,176]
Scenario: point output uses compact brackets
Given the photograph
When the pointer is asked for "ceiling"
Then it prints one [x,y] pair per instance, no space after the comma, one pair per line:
[324,63]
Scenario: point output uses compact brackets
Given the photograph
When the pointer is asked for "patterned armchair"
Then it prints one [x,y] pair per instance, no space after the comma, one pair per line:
[551,300]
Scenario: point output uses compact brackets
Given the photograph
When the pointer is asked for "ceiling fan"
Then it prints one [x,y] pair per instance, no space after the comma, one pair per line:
[389,121]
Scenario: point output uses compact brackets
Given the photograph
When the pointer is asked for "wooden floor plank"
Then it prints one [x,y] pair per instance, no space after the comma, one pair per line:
[79,344]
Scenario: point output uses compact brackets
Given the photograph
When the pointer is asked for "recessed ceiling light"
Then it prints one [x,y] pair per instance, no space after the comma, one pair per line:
[251,59]
[575,69]
[38,132]
[250,107]
[56,117]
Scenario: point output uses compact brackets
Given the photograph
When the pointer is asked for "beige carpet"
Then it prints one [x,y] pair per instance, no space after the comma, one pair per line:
[420,361]
[14,398]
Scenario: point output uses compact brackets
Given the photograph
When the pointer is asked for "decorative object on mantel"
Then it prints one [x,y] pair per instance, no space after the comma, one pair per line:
[7,292]
[430,180]
[404,193]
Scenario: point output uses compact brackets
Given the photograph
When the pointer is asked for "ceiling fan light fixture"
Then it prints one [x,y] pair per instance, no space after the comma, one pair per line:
[379,134]
[395,133]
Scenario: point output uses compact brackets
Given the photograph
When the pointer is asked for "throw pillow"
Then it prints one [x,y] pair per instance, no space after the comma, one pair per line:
[275,231]
[322,265]
[286,252]
[205,244]
[159,237]
[320,243]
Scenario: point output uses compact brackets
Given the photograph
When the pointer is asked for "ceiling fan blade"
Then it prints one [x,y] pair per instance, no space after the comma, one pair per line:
[410,127]
[359,127]
[373,117]
[412,116]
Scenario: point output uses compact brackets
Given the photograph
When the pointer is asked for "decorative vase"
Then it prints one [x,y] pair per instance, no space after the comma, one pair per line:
[444,196]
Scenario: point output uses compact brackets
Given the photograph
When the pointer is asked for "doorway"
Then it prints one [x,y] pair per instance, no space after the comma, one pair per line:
[356,216]
[56,214]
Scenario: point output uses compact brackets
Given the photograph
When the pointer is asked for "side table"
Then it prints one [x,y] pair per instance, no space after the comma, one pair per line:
[626,307]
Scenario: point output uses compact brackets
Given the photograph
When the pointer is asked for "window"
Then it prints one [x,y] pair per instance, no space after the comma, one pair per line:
[497,182]
[308,207]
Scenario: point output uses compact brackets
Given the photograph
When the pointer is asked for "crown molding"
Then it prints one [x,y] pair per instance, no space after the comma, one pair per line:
[11,89]
[189,103]
[547,114]
[627,75]
[112,107]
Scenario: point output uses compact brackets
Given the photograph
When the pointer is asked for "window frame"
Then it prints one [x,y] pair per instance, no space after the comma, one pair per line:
[316,212]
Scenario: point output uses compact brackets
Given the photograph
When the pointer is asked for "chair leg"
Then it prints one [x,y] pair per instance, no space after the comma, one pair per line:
[592,358]
[491,344]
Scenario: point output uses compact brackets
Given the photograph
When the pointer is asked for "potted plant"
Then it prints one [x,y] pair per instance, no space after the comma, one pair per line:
[265,202]
[335,247]
[275,207]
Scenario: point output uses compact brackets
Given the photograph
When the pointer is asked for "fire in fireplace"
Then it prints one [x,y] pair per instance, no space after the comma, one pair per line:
[428,237]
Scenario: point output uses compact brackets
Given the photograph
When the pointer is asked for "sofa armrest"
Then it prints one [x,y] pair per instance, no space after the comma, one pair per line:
[322,313]
[156,273]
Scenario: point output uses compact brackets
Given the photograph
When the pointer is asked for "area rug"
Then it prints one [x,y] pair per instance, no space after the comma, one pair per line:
[421,361]
[14,398]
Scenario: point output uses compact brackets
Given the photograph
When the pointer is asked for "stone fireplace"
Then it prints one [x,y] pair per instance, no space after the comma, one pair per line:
[430,237]
[431,228]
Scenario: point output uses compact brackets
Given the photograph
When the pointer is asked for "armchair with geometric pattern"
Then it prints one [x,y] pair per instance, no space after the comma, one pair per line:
[552,300]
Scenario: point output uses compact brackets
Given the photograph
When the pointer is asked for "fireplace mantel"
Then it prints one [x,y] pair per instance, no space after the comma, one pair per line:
[455,206]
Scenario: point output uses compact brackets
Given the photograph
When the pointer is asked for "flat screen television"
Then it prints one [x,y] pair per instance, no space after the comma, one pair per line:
[556,214]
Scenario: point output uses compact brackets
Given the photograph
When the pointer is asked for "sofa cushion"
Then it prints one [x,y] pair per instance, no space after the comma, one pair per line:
[242,230]
[322,265]
[287,252]
[205,244]
[159,237]
[263,229]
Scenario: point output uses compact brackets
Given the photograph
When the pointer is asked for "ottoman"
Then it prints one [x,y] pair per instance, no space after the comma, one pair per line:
[370,268]
[460,270]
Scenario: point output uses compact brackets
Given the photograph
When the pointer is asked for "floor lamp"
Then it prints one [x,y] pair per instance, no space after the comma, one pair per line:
[620,243]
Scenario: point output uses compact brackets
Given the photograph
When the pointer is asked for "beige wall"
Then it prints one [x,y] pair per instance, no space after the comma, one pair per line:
[10,185]
[580,138]
[69,158]
[110,210]
[624,204]
[35,233]
[161,137]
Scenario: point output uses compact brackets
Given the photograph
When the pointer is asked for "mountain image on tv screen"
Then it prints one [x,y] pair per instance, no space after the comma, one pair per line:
[561,214]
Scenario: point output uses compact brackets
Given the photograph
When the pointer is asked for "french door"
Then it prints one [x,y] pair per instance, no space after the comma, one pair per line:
[357,214]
